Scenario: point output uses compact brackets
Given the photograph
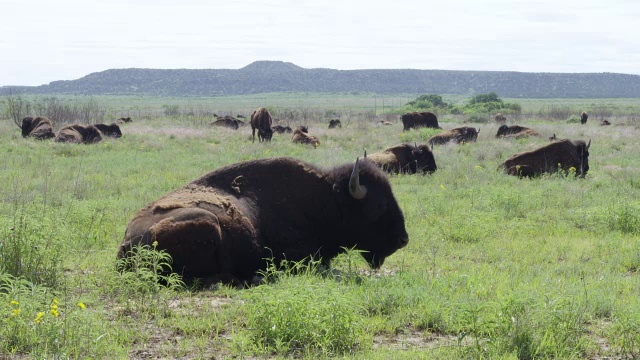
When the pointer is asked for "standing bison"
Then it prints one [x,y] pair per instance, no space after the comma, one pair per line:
[224,224]
[416,120]
[335,123]
[559,155]
[405,159]
[515,131]
[39,128]
[112,130]
[79,134]
[261,120]
[583,118]
[457,135]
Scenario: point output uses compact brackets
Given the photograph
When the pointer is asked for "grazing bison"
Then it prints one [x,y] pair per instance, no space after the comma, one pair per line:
[419,119]
[225,224]
[500,118]
[583,118]
[123,120]
[39,128]
[281,129]
[405,158]
[261,120]
[335,123]
[457,135]
[79,134]
[112,130]
[558,155]
[301,136]
[515,131]
[226,122]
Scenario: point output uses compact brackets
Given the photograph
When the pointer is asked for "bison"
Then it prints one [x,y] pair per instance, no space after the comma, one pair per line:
[224,225]
[123,120]
[558,155]
[415,120]
[226,122]
[335,123]
[112,130]
[39,128]
[281,129]
[261,120]
[583,118]
[387,123]
[605,123]
[457,135]
[405,159]
[301,136]
[500,118]
[515,131]
[79,134]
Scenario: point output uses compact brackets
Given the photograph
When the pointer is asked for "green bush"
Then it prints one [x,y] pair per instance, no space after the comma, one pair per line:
[573,119]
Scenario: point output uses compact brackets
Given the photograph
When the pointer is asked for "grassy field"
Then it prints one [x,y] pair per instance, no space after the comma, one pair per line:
[496,267]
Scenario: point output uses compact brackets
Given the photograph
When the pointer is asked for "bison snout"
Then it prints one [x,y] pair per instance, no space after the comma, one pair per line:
[402,242]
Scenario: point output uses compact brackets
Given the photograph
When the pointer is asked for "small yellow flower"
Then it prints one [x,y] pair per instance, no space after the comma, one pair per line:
[55,313]
[478,167]
[38,318]
[13,302]
[55,301]
[16,312]
[442,186]
[81,305]
[154,244]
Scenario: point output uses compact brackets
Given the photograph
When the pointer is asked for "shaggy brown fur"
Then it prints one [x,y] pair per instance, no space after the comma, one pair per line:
[302,137]
[583,118]
[123,120]
[224,225]
[335,123]
[524,134]
[281,129]
[505,130]
[415,120]
[39,128]
[226,122]
[559,155]
[79,134]
[261,120]
[405,158]
[112,130]
[605,123]
[457,135]
[500,118]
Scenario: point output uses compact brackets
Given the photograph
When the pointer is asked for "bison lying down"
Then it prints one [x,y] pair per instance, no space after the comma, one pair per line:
[405,159]
[457,135]
[559,155]
[224,224]
[79,134]
[516,131]
[301,136]
[39,128]
[112,130]
[416,120]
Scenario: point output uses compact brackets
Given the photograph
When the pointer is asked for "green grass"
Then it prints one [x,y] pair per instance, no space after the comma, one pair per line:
[496,267]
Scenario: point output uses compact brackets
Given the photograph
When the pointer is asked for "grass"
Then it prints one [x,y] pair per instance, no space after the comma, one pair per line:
[496,267]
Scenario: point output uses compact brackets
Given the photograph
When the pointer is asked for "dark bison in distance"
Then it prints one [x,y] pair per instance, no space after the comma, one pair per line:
[261,120]
[551,158]
[515,131]
[301,136]
[79,134]
[583,118]
[39,128]
[123,120]
[225,224]
[416,120]
[226,122]
[112,130]
[405,158]
[281,129]
[335,123]
[457,135]
[500,118]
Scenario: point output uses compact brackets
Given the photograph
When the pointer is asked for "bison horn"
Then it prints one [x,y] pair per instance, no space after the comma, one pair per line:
[589,144]
[365,153]
[432,146]
[355,189]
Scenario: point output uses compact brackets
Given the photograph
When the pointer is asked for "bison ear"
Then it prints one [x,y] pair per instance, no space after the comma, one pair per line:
[355,189]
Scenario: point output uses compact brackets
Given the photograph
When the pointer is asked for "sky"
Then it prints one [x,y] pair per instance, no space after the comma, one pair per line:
[43,41]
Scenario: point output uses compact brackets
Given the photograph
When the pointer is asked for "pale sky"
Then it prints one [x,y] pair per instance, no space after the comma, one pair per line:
[43,40]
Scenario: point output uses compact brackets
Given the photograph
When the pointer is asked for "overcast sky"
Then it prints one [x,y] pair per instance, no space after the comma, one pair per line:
[43,41]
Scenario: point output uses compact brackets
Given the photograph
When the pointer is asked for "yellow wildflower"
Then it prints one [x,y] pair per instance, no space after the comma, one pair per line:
[55,312]
[13,302]
[38,318]
[81,305]
[442,186]
[16,312]
[154,244]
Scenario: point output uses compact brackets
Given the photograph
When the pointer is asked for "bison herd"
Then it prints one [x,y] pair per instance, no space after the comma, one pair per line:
[41,128]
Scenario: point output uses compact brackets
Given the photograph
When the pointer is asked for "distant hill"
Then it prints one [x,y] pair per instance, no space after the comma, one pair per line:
[278,76]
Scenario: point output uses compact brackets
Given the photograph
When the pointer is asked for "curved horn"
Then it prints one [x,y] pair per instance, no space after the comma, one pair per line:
[416,145]
[355,189]
[432,146]
[589,144]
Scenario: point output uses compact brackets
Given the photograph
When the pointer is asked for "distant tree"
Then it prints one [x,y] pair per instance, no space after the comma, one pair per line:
[428,101]
[16,108]
[485,98]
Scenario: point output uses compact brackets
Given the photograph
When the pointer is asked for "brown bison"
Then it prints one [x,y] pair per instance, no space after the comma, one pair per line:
[39,128]
[558,155]
[457,135]
[415,120]
[335,123]
[281,129]
[405,158]
[112,130]
[583,118]
[387,123]
[515,131]
[500,118]
[301,136]
[225,224]
[261,120]
[226,122]
[79,134]
[123,120]
[605,123]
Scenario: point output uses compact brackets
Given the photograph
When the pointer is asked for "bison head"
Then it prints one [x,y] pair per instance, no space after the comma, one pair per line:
[583,153]
[502,130]
[26,126]
[424,160]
